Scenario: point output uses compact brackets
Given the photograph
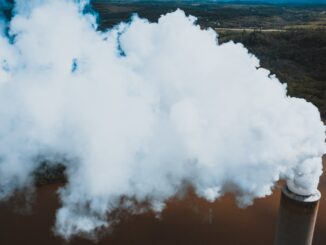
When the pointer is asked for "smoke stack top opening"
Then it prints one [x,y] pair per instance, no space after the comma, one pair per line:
[292,191]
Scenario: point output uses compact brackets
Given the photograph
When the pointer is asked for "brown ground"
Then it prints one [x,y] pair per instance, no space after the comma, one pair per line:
[186,222]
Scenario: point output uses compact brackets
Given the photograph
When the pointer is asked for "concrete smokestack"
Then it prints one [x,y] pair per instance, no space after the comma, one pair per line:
[297,217]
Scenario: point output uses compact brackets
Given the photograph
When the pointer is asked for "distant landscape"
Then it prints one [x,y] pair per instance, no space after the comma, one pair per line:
[290,40]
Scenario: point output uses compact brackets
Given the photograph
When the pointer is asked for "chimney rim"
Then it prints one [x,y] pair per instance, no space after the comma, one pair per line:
[313,197]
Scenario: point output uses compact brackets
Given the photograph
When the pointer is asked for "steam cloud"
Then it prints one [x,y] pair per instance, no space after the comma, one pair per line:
[138,109]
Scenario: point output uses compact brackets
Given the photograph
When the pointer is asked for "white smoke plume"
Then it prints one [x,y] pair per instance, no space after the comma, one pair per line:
[139,109]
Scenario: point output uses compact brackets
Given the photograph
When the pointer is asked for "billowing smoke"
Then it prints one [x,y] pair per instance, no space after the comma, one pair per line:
[141,109]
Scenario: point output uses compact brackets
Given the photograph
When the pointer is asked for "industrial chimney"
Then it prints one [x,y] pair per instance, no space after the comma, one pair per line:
[297,216]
